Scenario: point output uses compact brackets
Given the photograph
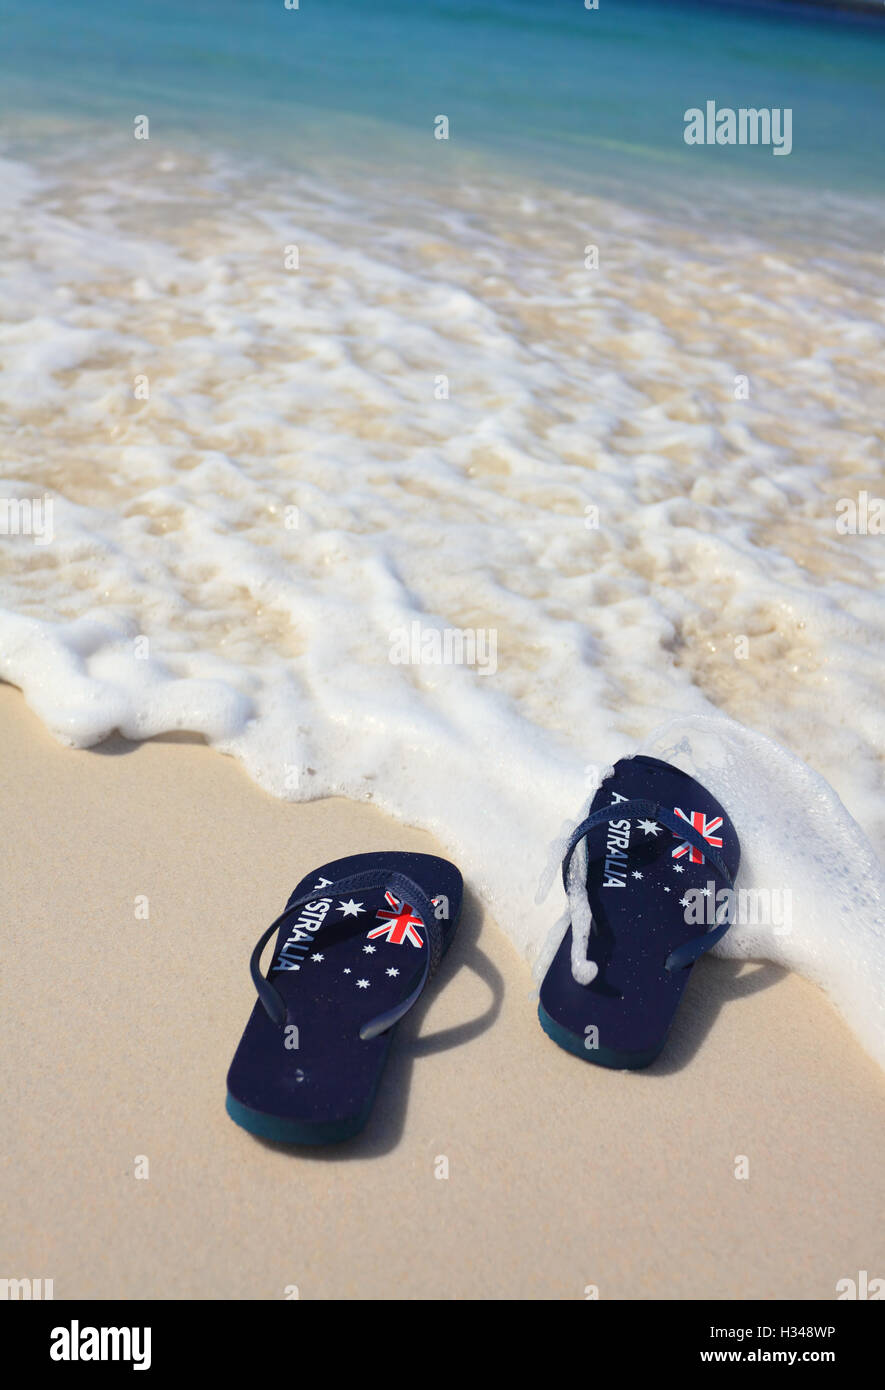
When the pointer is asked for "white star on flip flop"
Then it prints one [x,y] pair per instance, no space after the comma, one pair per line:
[362,984]
[392,971]
[683,902]
[636,874]
[317,956]
[705,892]
[648,827]
[369,950]
[666,890]
[347,970]
[678,869]
[350,909]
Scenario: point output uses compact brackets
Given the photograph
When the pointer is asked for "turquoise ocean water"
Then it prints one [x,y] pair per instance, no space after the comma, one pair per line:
[594,98]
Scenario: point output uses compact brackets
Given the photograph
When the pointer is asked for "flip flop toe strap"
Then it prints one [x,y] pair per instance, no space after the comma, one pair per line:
[406,890]
[688,953]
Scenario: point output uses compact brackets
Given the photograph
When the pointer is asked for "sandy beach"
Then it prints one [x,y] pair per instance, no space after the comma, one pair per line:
[118,1030]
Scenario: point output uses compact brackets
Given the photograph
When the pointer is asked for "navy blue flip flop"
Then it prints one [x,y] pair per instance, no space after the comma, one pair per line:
[356,945]
[660,853]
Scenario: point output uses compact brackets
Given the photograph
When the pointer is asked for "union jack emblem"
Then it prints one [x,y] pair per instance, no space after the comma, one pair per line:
[400,923]
[698,821]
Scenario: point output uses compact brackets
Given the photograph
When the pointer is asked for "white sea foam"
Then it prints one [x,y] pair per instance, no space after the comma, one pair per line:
[312,397]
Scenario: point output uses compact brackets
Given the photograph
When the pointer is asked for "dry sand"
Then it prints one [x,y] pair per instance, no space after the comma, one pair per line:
[117,1034]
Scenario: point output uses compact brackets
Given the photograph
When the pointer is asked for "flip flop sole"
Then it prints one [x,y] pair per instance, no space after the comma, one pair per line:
[346,960]
[648,892]
[602,1056]
[284,1131]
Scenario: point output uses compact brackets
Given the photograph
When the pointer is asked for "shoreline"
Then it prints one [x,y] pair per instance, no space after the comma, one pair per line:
[118,1031]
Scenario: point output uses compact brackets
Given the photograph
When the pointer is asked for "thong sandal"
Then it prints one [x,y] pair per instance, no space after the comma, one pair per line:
[662,857]
[356,945]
